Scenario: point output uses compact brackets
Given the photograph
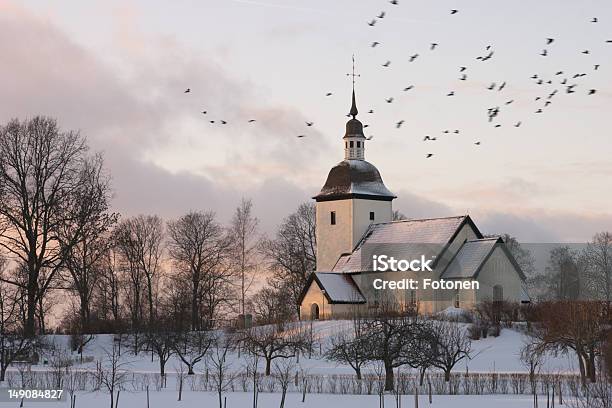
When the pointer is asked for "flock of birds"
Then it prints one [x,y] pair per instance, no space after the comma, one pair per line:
[561,82]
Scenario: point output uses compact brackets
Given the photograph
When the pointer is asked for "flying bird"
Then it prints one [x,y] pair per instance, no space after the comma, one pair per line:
[463,77]
[491,87]
[399,124]
[328,94]
[309,123]
[413,57]
[539,111]
[375,43]
[386,64]
[426,138]
[433,46]
[365,126]
[394,2]
[518,124]
[592,91]
[223,122]
[212,121]
[502,86]
[204,112]
[187,90]
[456,131]
[371,23]
[544,53]
[534,76]
[451,93]
[559,73]
[510,101]
[454,11]
[369,137]
[408,88]
[461,69]
[477,143]
[301,136]
[381,15]
[547,103]
[594,20]
[596,67]
[549,41]
[429,155]
[371,111]
[586,52]
[389,100]
[498,125]
[251,120]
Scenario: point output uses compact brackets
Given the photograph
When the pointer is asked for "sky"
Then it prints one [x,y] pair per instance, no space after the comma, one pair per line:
[116,71]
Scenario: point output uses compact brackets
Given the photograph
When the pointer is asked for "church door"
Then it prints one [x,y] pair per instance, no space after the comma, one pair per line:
[314,312]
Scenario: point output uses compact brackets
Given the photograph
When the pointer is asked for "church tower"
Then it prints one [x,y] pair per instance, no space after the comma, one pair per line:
[353,197]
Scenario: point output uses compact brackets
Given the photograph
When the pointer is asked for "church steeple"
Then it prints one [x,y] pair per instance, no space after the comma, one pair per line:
[354,140]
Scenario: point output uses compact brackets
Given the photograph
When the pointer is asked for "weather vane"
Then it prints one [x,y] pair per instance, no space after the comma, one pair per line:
[353,74]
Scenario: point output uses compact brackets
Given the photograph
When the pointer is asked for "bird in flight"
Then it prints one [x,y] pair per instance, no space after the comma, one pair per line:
[454,11]
[456,131]
[413,57]
[596,67]
[534,76]
[365,126]
[328,94]
[491,87]
[408,88]
[498,125]
[463,77]
[518,124]
[451,93]
[539,111]
[389,100]
[429,155]
[544,53]
[309,123]
[477,143]
[371,23]
[399,124]
[502,86]
[371,111]
[204,112]
[559,73]
[592,91]
[549,41]
[301,136]
[223,122]
[386,64]
[433,46]
[375,43]
[570,89]
[369,137]
[251,120]
[594,20]
[426,138]
[510,101]
[547,103]
[187,90]
[586,52]
[461,69]
[394,2]
[381,15]
[212,121]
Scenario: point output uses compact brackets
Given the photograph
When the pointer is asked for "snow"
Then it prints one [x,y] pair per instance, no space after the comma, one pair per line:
[340,287]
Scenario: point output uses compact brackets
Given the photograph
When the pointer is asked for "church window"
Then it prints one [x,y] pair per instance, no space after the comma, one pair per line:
[457,298]
[498,293]
[351,143]
[358,144]
[371,215]
[333,218]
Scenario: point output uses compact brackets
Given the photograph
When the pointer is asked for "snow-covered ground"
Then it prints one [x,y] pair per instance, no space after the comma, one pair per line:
[167,399]
[493,354]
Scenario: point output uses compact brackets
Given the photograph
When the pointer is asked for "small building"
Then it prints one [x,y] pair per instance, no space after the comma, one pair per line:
[354,224]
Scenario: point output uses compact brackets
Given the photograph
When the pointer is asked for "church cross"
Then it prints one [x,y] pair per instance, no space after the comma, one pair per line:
[353,74]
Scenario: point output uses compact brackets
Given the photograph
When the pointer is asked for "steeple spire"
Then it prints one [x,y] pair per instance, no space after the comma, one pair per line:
[354,110]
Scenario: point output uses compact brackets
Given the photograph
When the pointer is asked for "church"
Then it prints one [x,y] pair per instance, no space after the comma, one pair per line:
[354,223]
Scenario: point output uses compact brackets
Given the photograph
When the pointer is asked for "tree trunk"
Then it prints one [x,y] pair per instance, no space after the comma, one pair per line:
[358,373]
[447,373]
[389,377]
[268,366]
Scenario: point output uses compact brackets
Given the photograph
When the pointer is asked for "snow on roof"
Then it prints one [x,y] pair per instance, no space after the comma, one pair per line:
[469,258]
[339,288]
[354,177]
[425,235]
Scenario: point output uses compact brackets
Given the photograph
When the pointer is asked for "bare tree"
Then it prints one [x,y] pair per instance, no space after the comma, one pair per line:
[14,343]
[349,348]
[270,306]
[112,374]
[271,342]
[292,253]
[451,346]
[84,259]
[199,249]
[245,245]
[222,377]
[284,370]
[191,347]
[598,254]
[40,177]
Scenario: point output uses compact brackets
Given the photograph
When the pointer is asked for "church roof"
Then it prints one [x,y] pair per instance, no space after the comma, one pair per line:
[472,256]
[431,235]
[339,287]
[354,179]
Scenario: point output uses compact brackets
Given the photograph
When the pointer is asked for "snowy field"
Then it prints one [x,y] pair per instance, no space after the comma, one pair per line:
[245,400]
[493,354]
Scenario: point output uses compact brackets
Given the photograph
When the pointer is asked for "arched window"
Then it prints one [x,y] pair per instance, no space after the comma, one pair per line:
[314,311]
[457,298]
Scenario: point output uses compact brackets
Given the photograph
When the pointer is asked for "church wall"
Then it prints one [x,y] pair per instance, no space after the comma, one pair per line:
[498,270]
[334,240]
[361,216]
[466,233]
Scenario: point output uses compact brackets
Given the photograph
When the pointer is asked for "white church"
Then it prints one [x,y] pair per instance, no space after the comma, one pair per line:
[354,220]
